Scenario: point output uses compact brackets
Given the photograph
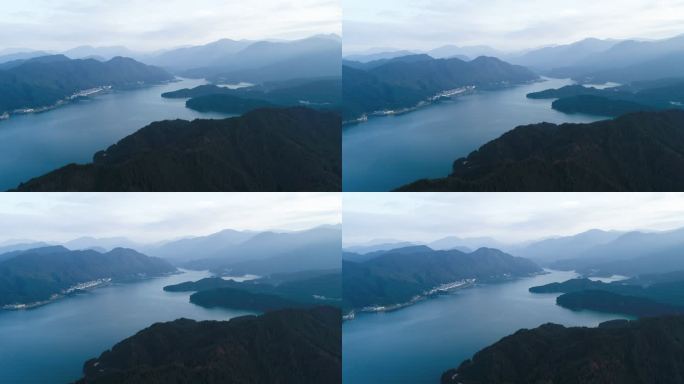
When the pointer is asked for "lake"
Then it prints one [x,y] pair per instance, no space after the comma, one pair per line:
[388,152]
[34,144]
[49,344]
[418,343]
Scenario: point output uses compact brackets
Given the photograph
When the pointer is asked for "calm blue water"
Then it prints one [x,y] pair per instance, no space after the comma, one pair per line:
[49,344]
[417,344]
[31,145]
[388,152]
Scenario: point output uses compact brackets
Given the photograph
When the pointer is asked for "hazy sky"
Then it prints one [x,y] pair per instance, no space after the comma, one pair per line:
[503,24]
[155,24]
[151,217]
[507,217]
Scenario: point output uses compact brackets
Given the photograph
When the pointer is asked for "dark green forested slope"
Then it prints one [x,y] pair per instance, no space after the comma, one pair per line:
[42,81]
[636,152]
[609,302]
[225,103]
[644,351]
[260,295]
[291,346]
[639,96]
[405,81]
[295,149]
[648,295]
[399,275]
[242,299]
[37,274]
[315,93]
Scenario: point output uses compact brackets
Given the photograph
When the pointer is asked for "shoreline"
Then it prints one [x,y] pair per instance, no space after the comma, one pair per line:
[81,288]
[73,290]
[82,94]
[438,290]
[450,94]
[446,94]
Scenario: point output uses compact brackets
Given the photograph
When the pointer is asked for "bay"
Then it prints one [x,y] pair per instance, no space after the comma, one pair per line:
[388,152]
[417,344]
[49,344]
[34,144]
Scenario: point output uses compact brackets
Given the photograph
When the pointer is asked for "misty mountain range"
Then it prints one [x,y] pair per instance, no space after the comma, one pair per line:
[41,274]
[594,252]
[398,276]
[225,252]
[46,81]
[589,60]
[403,83]
[226,60]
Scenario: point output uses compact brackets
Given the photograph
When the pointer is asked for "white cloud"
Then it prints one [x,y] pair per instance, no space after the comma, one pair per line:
[157,24]
[504,24]
[508,217]
[151,217]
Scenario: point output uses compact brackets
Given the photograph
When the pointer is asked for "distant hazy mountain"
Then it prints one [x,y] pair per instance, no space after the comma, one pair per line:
[106,53]
[634,253]
[565,247]
[406,81]
[37,274]
[399,275]
[669,65]
[272,252]
[562,55]
[629,246]
[365,58]
[288,347]
[195,248]
[628,352]
[207,55]
[43,81]
[291,149]
[20,56]
[464,53]
[629,61]
[317,56]
[361,253]
[10,250]
[464,244]
[364,249]
[636,152]
[107,243]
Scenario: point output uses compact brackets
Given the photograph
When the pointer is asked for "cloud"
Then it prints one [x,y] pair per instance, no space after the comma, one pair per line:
[157,24]
[509,217]
[151,217]
[503,24]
